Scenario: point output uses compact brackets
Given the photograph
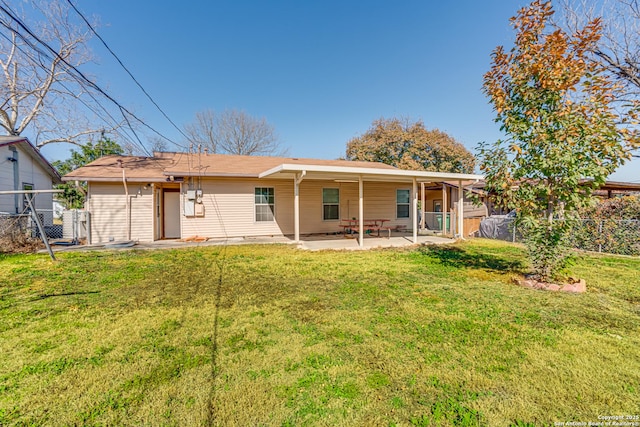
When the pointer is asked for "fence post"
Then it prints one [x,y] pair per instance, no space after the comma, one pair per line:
[600,236]
[513,232]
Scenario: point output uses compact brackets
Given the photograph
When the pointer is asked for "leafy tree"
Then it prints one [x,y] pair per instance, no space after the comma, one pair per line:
[557,109]
[409,145]
[73,198]
[233,132]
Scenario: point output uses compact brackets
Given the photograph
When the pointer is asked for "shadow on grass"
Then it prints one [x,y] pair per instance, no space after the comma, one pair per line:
[457,257]
[65,294]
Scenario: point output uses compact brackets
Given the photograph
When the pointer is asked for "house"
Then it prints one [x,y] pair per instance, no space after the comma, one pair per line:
[22,167]
[179,195]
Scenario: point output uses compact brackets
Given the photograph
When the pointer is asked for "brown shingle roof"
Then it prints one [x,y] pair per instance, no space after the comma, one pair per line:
[162,165]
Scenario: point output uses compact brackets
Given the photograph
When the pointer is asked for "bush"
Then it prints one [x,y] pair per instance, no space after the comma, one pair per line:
[15,236]
[612,225]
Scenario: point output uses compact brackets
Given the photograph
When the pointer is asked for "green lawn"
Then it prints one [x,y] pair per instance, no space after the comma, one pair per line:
[270,335]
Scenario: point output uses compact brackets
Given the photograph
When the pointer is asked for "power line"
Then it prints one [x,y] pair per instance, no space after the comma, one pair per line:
[125,68]
[88,106]
[78,74]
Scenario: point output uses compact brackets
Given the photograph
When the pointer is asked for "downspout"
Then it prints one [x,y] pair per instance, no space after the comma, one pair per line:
[86,209]
[16,177]
[126,192]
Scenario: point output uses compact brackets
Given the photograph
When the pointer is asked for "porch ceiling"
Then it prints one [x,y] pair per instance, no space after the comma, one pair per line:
[340,173]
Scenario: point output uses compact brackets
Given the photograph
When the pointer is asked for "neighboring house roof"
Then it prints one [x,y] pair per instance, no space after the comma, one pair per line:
[33,152]
[165,165]
[608,188]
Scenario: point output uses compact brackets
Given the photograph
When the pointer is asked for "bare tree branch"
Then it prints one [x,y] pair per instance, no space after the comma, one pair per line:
[40,92]
[233,132]
[619,48]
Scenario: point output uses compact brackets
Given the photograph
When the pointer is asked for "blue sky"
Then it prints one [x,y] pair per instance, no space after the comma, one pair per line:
[319,71]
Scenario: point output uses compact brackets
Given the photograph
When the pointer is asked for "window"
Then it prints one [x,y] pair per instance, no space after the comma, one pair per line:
[402,203]
[265,203]
[437,205]
[28,187]
[330,203]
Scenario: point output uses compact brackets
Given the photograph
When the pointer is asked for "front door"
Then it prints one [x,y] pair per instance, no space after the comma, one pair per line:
[171,217]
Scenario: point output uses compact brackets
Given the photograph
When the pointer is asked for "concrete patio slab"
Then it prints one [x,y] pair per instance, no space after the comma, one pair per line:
[315,242]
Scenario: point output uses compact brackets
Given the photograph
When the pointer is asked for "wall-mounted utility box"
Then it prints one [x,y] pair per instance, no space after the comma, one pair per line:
[189,208]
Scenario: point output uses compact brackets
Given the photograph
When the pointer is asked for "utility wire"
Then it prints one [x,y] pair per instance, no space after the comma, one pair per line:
[125,68]
[91,95]
[75,69]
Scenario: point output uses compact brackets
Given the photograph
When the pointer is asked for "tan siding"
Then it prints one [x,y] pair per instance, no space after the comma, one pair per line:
[107,206]
[229,209]
[379,202]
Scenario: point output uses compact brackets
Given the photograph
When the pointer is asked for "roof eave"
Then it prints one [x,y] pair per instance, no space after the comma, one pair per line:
[381,173]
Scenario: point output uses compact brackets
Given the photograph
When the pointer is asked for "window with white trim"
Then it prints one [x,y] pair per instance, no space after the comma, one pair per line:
[330,204]
[403,201]
[264,203]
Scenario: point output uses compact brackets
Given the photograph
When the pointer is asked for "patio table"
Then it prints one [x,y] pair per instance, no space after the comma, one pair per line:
[375,224]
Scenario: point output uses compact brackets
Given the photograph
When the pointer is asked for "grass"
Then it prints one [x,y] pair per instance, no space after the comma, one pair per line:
[269,335]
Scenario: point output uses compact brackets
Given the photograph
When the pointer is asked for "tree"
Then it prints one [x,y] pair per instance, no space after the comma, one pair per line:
[233,132]
[40,88]
[557,109]
[73,197]
[409,145]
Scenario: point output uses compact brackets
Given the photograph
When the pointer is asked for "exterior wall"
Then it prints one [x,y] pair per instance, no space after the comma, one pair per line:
[379,202]
[29,172]
[229,209]
[470,209]
[108,212]
[230,212]
[6,181]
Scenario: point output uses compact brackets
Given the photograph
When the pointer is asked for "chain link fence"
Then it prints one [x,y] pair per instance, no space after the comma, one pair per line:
[612,236]
[10,224]
[607,235]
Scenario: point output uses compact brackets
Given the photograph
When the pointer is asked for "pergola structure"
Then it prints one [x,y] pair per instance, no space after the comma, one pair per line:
[300,172]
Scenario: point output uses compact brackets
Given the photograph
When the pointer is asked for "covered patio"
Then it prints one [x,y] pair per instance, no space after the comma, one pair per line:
[298,172]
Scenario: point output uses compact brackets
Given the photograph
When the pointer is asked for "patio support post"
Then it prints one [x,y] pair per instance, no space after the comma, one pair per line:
[415,210]
[445,209]
[460,213]
[296,204]
[360,212]
[423,201]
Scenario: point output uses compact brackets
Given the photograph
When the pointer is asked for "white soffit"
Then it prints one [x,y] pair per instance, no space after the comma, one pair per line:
[368,174]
